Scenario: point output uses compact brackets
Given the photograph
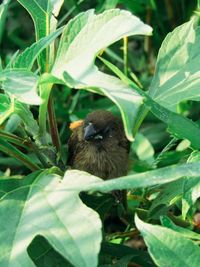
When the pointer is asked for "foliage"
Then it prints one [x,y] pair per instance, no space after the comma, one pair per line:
[53,216]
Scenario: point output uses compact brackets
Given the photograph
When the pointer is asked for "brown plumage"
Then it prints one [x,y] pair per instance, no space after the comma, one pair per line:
[99,146]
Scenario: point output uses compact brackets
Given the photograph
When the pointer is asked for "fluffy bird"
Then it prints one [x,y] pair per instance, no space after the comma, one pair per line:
[98,145]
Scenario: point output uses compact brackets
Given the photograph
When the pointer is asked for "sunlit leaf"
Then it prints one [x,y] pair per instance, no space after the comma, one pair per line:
[44,15]
[167,247]
[6,108]
[177,75]
[83,38]
[178,125]
[40,207]
[144,179]
[21,84]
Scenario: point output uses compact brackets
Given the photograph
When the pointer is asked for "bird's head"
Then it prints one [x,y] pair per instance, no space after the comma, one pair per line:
[101,125]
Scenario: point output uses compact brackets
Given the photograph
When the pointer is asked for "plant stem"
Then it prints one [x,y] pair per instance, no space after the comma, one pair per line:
[45,90]
[53,125]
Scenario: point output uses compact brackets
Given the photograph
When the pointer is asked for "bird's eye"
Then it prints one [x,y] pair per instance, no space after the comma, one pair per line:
[108,131]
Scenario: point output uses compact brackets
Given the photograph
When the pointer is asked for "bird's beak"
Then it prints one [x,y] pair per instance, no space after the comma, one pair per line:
[89,132]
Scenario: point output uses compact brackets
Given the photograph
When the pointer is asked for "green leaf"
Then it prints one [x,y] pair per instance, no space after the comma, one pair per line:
[143,148]
[183,231]
[149,178]
[83,38]
[26,115]
[43,14]
[168,195]
[178,125]
[27,58]
[167,247]
[40,208]
[6,107]
[15,153]
[14,139]
[10,106]
[43,255]
[21,84]
[3,14]
[191,190]
[177,75]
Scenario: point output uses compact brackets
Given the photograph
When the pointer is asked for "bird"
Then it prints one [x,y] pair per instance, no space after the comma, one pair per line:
[98,145]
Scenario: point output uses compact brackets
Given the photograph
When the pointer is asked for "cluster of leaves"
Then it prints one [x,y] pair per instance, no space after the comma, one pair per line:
[44,220]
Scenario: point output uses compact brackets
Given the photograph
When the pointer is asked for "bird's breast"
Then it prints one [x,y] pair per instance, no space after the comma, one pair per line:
[105,162]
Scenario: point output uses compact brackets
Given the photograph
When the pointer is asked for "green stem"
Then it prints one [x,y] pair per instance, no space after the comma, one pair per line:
[125,50]
[45,90]
[14,152]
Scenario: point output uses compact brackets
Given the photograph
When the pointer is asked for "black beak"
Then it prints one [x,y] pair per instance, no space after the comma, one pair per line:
[89,132]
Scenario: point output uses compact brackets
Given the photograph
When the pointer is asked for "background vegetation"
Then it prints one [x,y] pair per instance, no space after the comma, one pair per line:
[163,138]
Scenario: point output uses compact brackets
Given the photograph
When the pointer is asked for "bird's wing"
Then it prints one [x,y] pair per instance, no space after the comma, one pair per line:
[72,148]
[125,144]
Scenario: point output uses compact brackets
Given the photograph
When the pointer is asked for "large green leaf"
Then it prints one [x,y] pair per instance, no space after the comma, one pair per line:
[43,13]
[41,207]
[21,84]
[149,178]
[177,75]
[167,247]
[83,38]
[178,125]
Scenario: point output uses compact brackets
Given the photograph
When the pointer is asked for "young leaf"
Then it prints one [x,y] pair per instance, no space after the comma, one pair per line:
[6,107]
[31,126]
[177,75]
[21,84]
[40,208]
[167,247]
[27,58]
[83,38]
